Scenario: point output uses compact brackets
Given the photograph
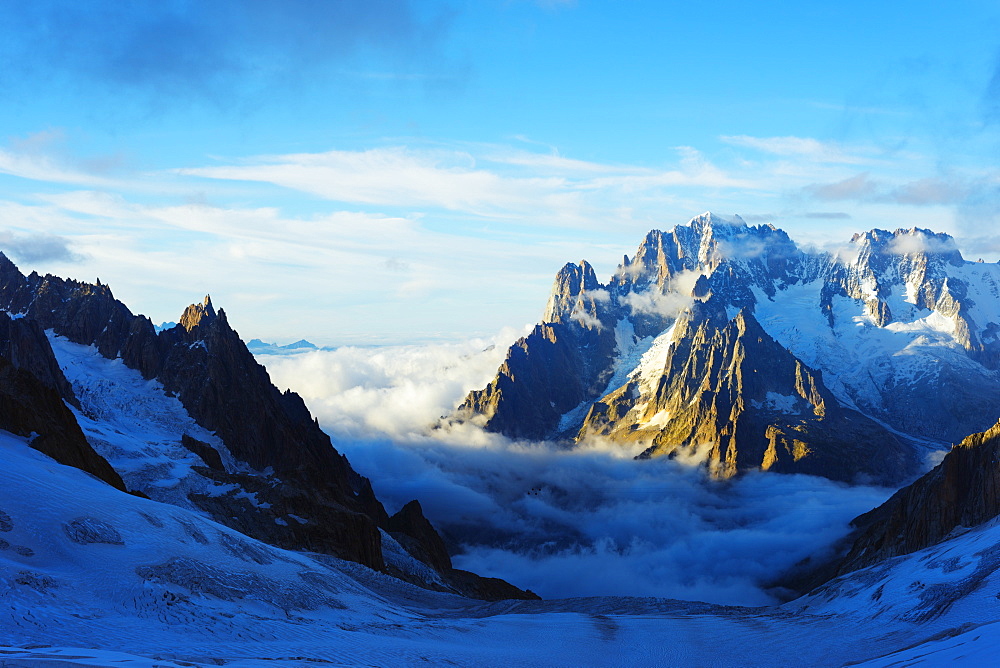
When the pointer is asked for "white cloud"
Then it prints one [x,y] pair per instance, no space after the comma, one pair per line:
[931,191]
[586,319]
[802,147]
[917,241]
[653,302]
[476,231]
[670,304]
[519,184]
[858,187]
[552,162]
[344,275]
[398,176]
[598,295]
[549,518]
[44,168]
[394,392]
[36,247]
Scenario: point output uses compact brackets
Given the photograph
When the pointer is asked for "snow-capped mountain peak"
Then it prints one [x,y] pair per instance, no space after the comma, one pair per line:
[899,329]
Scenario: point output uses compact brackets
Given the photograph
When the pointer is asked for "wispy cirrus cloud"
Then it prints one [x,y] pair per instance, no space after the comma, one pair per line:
[805,148]
[496,183]
[553,162]
[326,276]
[856,187]
[38,166]
[932,191]
[929,191]
[436,230]
[398,176]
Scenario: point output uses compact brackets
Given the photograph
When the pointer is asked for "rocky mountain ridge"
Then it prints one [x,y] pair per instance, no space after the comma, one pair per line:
[961,492]
[733,397]
[288,466]
[897,331]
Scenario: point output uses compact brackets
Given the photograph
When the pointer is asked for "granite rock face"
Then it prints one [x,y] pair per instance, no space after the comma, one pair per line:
[733,399]
[207,366]
[546,374]
[25,346]
[944,384]
[411,529]
[84,313]
[959,493]
[418,536]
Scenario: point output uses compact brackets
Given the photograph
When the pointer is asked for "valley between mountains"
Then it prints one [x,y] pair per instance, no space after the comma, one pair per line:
[731,451]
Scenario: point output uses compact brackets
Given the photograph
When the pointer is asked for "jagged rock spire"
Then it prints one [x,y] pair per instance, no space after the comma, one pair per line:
[8,268]
[196,313]
[570,287]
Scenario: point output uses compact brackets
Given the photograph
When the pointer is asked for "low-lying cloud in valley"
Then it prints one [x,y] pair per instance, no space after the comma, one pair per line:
[562,522]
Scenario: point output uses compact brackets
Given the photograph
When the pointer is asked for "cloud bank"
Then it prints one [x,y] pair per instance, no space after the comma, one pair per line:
[581,522]
[36,247]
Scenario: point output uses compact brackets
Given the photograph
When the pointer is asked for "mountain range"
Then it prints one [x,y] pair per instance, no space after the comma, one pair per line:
[159,487]
[186,416]
[726,343]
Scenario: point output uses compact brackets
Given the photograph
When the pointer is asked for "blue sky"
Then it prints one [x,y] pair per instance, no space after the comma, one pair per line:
[368,172]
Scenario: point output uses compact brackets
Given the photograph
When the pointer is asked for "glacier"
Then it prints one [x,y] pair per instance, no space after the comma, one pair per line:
[150,584]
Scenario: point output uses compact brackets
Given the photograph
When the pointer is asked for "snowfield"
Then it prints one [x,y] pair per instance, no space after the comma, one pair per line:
[93,576]
[136,426]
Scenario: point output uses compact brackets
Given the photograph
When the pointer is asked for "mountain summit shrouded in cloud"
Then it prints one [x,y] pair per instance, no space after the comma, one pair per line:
[760,355]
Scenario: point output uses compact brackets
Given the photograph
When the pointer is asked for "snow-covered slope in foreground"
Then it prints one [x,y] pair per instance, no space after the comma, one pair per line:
[97,577]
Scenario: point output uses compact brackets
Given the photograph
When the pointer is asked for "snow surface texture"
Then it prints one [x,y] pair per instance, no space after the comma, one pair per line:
[95,577]
[137,427]
[548,518]
[858,358]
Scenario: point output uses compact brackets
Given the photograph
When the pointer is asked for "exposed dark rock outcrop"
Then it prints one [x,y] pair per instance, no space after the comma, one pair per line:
[414,532]
[568,359]
[561,363]
[417,535]
[207,366]
[901,277]
[205,452]
[32,392]
[26,347]
[884,260]
[310,498]
[960,492]
[547,373]
[287,513]
[488,589]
